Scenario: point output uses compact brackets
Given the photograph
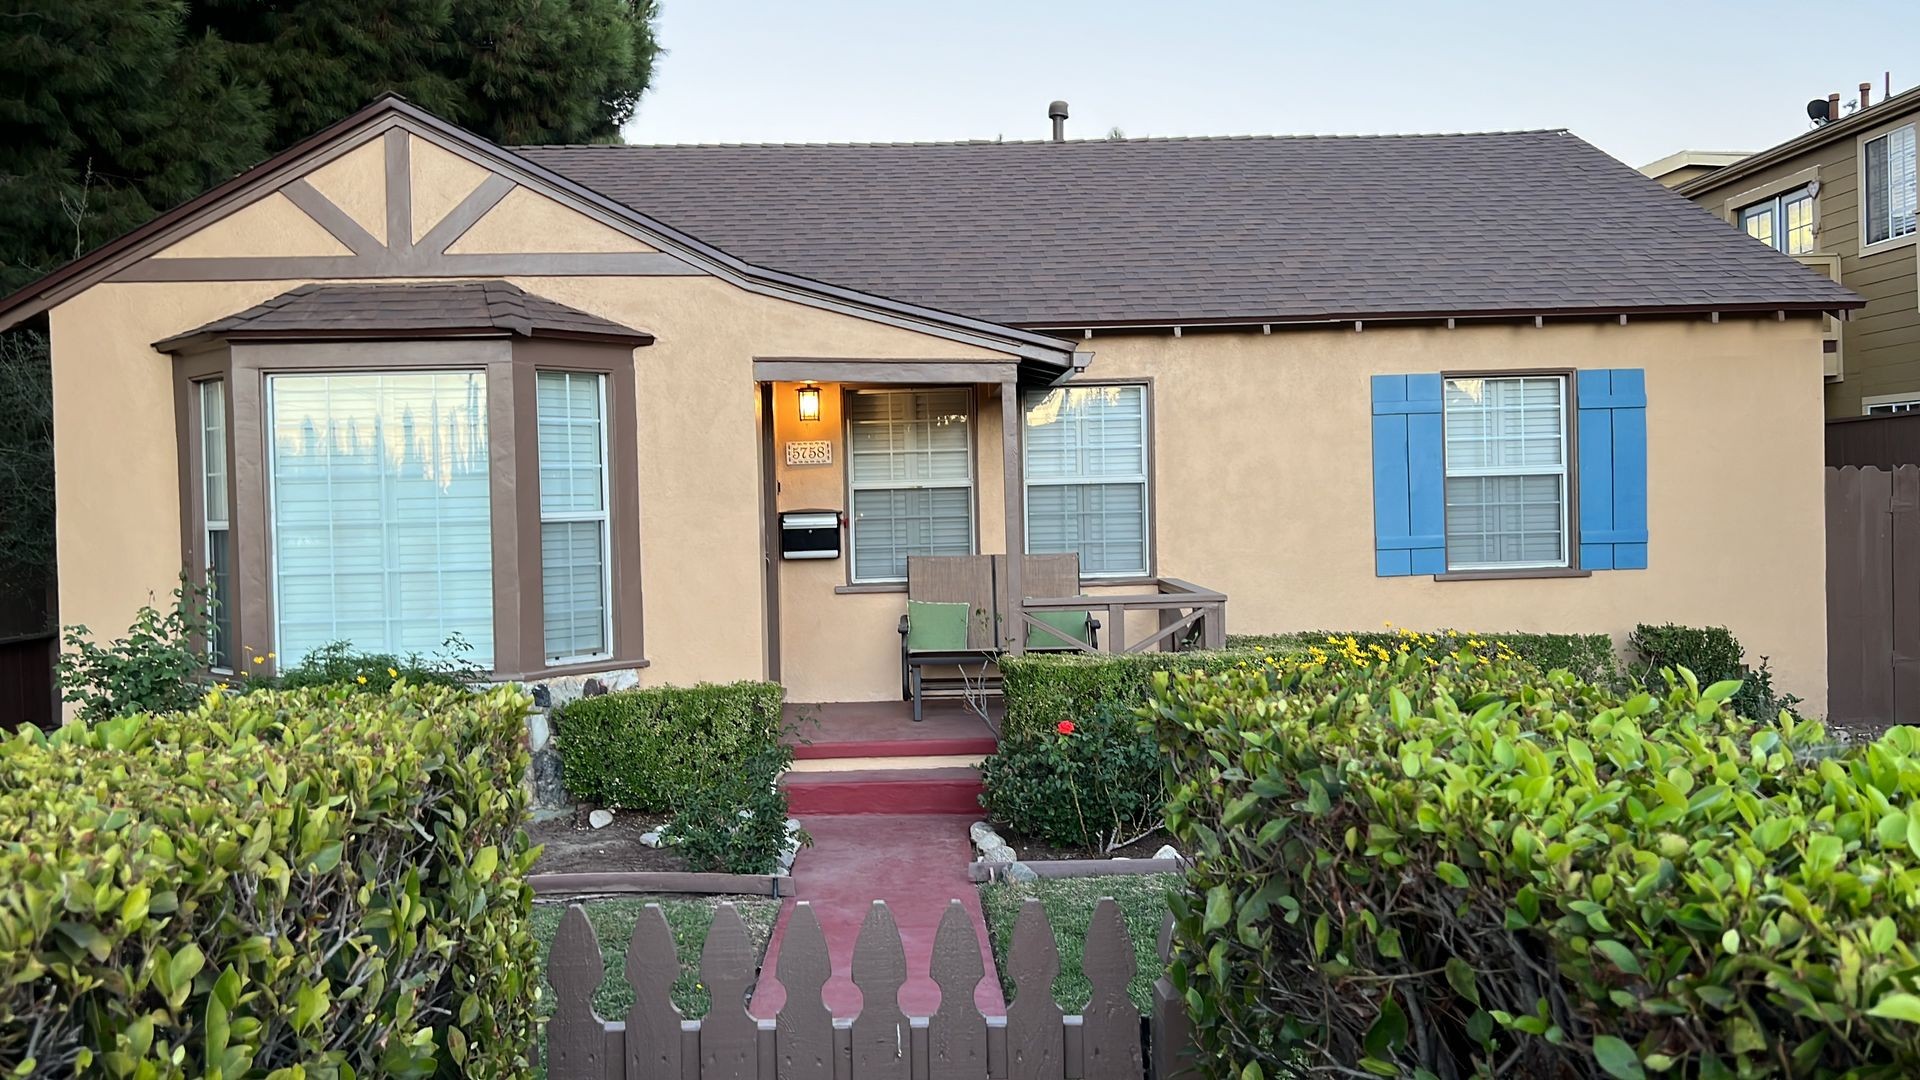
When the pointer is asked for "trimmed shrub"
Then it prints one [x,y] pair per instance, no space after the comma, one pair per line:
[738,823]
[1449,865]
[338,664]
[1713,654]
[1042,689]
[1589,656]
[650,749]
[1094,783]
[270,881]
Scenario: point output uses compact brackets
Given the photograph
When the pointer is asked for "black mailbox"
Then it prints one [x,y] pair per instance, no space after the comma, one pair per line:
[810,534]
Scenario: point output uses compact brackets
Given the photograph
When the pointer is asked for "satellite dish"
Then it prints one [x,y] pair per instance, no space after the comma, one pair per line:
[1817,110]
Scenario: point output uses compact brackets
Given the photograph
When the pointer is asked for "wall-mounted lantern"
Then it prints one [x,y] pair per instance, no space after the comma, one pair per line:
[809,402]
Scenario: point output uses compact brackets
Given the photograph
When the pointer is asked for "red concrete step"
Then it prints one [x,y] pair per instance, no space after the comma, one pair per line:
[884,791]
[977,746]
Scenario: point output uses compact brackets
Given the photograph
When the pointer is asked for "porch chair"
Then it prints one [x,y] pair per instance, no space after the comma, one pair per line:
[957,615]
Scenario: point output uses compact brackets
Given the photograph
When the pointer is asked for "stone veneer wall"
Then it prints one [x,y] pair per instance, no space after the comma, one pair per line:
[543,778]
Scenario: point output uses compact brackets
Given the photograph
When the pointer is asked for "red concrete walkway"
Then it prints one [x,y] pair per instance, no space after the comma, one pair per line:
[916,863]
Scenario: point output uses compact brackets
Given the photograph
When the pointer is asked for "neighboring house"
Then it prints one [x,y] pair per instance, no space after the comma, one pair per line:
[1689,165]
[398,383]
[1841,198]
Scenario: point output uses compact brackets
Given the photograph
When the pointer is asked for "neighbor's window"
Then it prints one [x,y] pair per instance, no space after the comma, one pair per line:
[1891,186]
[1506,474]
[573,515]
[910,471]
[1086,470]
[215,519]
[380,520]
[1885,408]
[1784,222]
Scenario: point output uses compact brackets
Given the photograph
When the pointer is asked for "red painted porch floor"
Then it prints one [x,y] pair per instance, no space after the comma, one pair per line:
[886,729]
[917,863]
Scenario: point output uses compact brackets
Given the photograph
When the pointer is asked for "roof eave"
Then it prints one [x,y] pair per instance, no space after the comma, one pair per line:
[1871,116]
[1828,307]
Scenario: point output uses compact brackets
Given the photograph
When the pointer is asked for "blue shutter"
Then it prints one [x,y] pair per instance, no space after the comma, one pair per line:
[1613,469]
[1409,481]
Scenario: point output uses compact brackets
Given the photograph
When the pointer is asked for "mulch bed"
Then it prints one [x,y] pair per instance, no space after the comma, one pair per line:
[572,846]
[1035,851]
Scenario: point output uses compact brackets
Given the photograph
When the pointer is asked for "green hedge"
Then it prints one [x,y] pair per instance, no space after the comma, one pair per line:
[1042,689]
[1094,783]
[310,878]
[1712,653]
[1450,866]
[649,749]
[1589,656]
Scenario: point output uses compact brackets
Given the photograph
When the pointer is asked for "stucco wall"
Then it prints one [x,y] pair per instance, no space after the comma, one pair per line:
[1262,484]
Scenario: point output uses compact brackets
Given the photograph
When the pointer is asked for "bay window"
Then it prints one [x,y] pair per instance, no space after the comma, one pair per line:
[1086,476]
[1784,222]
[215,532]
[1506,472]
[381,517]
[910,478]
[573,515]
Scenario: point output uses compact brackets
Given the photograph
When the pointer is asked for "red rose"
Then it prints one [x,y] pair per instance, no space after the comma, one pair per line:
[1064,727]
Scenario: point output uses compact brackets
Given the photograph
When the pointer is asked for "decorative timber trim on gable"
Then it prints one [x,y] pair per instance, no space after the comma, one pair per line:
[394,125]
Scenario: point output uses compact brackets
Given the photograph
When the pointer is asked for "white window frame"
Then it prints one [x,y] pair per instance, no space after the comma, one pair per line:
[269,461]
[216,389]
[1564,471]
[1776,206]
[1889,404]
[1912,132]
[1144,479]
[603,516]
[853,518]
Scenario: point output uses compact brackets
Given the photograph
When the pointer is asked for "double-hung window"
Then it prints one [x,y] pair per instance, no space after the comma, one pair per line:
[1506,472]
[216,533]
[1086,474]
[1892,190]
[1784,222]
[910,475]
[381,517]
[574,541]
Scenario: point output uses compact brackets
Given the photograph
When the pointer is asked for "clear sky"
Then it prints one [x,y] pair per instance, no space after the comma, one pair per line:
[1640,80]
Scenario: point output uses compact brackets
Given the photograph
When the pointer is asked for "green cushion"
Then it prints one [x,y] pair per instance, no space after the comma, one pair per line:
[933,627]
[1071,623]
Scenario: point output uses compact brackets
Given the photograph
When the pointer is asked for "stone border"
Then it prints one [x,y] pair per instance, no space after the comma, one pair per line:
[983,872]
[660,881]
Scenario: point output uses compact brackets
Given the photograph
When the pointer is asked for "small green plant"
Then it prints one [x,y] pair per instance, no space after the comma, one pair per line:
[738,823]
[159,666]
[338,664]
[1095,784]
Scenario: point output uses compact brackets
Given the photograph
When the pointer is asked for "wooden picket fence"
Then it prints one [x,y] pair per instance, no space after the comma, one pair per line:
[1034,1041]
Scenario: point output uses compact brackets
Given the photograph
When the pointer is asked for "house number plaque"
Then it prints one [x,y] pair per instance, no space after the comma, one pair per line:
[810,452]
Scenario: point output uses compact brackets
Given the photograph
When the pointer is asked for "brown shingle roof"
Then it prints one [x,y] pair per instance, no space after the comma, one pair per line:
[1190,230]
[441,308]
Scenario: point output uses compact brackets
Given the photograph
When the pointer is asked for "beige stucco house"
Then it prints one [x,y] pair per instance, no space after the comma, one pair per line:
[398,384]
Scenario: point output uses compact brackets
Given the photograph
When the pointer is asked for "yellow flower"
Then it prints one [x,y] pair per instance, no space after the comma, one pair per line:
[392,674]
[259,659]
[361,679]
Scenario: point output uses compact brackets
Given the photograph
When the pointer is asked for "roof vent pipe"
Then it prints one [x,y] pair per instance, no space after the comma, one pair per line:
[1833,107]
[1057,112]
[1866,91]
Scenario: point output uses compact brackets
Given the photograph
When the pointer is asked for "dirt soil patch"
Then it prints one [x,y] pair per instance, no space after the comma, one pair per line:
[574,847]
[1035,851]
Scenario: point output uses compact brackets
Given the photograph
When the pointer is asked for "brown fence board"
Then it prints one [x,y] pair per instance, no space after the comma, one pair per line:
[1873,596]
[805,1042]
[1903,522]
[1874,442]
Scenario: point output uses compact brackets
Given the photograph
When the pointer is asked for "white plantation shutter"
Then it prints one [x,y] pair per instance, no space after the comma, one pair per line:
[1086,472]
[1892,185]
[1506,472]
[382,527]
[573,514]
[910,468]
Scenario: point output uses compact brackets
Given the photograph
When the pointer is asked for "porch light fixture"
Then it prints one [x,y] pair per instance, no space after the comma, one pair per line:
[809,402]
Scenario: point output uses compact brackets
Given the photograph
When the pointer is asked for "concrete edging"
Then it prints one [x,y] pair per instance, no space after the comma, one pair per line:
[660,881]
[982,872]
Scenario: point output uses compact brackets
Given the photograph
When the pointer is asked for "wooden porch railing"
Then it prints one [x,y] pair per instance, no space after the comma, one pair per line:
[1034,1041]
[1190,617]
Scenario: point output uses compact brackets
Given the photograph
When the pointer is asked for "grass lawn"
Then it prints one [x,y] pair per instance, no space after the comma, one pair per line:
[613,921]
[1069,905]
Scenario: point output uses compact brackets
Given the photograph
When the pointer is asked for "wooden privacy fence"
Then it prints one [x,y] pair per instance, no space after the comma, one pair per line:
[1034,1041]
[1873,596]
